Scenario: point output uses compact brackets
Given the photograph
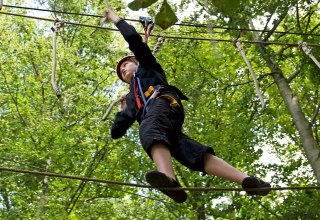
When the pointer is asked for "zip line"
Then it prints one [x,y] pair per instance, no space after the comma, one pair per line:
[111,182]
[171,37]
[177,24]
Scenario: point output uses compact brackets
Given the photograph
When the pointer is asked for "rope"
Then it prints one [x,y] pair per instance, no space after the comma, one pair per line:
[55,30]
[237,44]
[307,51]
[177,24]
[171,37]
[160,41]
[105,116]
[205,189]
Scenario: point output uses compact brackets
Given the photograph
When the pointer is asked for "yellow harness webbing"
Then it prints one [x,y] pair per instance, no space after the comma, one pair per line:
[173,101]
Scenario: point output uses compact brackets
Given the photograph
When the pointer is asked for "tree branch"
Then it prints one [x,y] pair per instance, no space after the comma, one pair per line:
[99,155]
[205,70]
[99,83]
[13,99]
[247,82]
[295,74]
[316,133]
[281,50]
[207,9]
[284,34]
[315,115]
[269,19]
[298,18]
[315,28]
[268,210]
[309,20]
[276,23]
[38,74]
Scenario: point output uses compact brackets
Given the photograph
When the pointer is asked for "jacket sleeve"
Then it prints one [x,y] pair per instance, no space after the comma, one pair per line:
[140,49]
[124,119]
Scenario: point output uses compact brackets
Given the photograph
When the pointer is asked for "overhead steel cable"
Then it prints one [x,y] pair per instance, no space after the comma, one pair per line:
[112,182]
[53,11]
[167,36]
[242,29]
[185,24]
[24,164]
[55,20]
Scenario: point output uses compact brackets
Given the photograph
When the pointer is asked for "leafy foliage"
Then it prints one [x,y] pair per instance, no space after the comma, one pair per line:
[138,4]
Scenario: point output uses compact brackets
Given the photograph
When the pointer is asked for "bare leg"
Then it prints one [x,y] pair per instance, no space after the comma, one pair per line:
[162,158]
[216,166]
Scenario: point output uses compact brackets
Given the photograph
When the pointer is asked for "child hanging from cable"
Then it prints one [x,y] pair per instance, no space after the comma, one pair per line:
[157,107]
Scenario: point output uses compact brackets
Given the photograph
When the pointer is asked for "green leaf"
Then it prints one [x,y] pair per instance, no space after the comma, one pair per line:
[138,4]
[166,17]
[228,7]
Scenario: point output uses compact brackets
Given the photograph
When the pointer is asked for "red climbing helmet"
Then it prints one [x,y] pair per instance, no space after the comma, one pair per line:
[122,60]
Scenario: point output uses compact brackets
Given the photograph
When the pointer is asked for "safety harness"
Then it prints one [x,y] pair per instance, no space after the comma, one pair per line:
[147,97]
[153,91]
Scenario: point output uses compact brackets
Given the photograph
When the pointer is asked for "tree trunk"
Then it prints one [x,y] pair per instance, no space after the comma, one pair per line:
[43,196]
[201,213]
[6,199]
[304,127]
[311,148]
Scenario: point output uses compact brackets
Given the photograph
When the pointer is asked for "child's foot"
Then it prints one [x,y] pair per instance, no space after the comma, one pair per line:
[255,182]
[158,180]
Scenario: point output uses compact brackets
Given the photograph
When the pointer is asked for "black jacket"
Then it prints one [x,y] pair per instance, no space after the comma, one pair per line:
[149,72]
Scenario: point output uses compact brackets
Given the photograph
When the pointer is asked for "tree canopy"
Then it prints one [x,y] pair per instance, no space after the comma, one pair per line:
[66,135]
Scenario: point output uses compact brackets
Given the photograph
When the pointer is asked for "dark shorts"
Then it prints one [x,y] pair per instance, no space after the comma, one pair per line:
[162,124]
